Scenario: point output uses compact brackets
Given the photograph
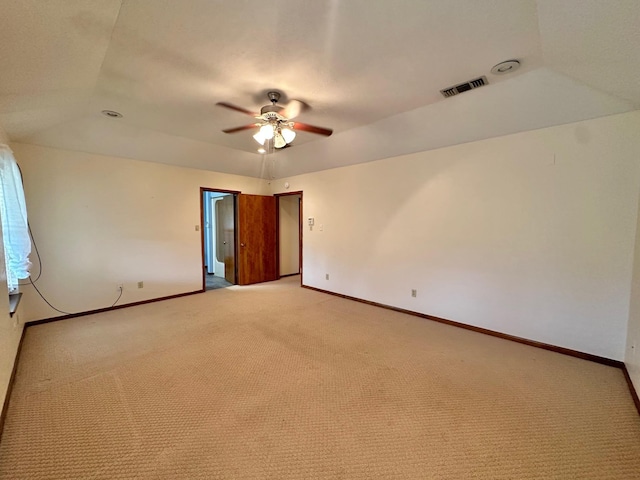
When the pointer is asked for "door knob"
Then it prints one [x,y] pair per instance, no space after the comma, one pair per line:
[242,245]
[224,243]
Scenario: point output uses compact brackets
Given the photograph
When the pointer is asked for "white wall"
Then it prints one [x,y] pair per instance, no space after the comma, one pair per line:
[99,221]
[289,239]
[530,234]
[632,355]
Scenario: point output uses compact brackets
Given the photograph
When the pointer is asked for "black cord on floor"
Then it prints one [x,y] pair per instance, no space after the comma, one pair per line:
[47,301]
[62,311]
[33,282]
[114,303]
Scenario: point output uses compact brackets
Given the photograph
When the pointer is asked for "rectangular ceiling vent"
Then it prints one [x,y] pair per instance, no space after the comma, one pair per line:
[463,87]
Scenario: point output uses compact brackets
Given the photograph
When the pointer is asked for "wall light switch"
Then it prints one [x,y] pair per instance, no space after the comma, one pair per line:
[197,228]
[311,221]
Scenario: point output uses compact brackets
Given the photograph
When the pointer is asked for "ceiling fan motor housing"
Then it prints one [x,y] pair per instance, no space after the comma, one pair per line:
[270,110]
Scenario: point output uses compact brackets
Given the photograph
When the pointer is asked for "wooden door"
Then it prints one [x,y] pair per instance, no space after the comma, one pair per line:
[227,223]
[257,239]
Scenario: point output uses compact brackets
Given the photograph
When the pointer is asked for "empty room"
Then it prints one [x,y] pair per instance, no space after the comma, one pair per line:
[339,239]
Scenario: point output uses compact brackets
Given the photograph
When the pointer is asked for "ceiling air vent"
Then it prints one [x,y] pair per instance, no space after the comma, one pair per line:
[463,87]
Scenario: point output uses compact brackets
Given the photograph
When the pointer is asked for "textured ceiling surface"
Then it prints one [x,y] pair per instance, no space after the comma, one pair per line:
[370,70]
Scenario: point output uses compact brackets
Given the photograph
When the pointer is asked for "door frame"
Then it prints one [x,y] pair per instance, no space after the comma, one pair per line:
[287,194]
[235,193]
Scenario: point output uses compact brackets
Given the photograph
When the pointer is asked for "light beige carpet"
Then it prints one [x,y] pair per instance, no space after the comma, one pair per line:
[278,382]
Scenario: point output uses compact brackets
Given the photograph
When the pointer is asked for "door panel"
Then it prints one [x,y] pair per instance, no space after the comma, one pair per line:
[257,239]
[227,222]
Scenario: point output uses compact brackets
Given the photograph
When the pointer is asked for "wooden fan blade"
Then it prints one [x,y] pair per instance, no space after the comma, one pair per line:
[293,109]
[236,108]
[304,127]
[239,129]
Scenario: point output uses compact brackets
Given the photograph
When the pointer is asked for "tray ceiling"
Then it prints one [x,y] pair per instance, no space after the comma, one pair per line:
[372,71]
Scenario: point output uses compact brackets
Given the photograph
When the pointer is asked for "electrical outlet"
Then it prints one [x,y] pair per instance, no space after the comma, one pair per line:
[140,284]
[414,292]
[197,228]
[326,276]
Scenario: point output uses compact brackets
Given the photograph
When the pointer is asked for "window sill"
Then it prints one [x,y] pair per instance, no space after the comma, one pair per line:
[14,301]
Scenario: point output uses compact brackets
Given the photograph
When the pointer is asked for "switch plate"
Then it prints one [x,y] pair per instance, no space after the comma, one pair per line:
[414,292]
[197,228]
[140,284]
[326,276]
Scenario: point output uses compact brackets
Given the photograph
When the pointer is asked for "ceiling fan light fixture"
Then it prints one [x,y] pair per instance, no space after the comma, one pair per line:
[279,141]
[275,128]
[267,131]
[259,137]
[288,135]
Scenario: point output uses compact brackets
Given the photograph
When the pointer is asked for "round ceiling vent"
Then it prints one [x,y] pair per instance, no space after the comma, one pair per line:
[505,67]
[111,114]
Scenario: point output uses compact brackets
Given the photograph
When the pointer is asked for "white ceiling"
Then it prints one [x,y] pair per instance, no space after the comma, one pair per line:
[369,69]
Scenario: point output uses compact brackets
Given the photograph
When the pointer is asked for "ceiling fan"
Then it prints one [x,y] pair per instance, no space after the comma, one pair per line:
[274,121]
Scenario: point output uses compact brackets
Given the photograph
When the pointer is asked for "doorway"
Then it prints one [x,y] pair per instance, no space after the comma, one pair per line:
[289,224]
[218,219]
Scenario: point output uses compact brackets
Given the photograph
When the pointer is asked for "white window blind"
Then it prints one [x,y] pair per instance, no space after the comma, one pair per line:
[13,210]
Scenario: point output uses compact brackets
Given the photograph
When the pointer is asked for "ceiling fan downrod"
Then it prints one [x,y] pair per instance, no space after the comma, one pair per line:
[272,112]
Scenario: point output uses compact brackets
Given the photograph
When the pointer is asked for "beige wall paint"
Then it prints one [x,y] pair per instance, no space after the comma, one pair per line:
[530,234]
[100,221]
[632,355]
[289,234]
[4,138]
